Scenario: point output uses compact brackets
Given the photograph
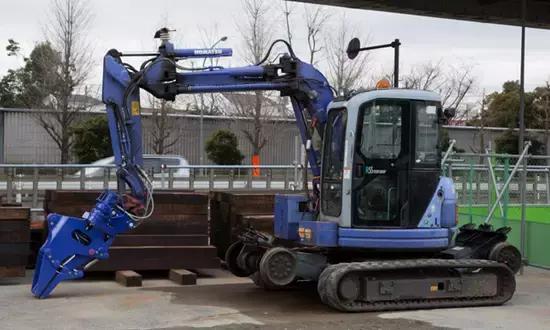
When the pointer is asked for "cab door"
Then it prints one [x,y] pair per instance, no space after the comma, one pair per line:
[381,164]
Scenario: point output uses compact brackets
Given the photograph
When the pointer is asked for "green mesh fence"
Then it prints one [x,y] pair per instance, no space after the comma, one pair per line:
[477,191]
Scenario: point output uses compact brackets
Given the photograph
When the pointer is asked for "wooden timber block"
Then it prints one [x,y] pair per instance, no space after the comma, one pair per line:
[158,258]
[161,240]
[12,271]
[183,277]
[15,213]
[128,278]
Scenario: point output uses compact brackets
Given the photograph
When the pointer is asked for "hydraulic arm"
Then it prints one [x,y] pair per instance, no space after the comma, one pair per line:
[75,243]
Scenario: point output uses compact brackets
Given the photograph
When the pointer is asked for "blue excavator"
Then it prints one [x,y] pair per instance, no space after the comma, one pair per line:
[378,228]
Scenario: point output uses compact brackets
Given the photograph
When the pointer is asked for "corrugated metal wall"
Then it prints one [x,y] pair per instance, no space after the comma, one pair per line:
[25,141]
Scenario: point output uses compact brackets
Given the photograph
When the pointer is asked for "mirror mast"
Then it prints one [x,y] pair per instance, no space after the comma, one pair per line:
[354,47]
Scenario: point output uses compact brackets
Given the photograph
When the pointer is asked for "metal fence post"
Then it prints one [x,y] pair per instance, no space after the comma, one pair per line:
[269,175]
[82,179]
[506,189]
[162,180]
[478,184]
[231,178]
[547,182]
[249,179]
[59,179]
[470,190]
[170,178]
[286,181]
[9,185]
[191,178]
[211,179]
[536,195]
[106,174]
[35,187]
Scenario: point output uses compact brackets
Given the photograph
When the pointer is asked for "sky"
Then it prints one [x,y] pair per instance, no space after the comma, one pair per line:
[492,50]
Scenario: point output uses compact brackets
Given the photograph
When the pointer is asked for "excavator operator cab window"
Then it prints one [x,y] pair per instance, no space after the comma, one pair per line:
[427,135]
[381,133]
[333,162]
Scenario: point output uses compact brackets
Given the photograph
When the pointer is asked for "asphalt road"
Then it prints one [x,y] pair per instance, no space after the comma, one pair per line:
[226,302]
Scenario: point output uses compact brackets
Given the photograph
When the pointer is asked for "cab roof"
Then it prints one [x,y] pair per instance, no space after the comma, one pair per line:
[403,94]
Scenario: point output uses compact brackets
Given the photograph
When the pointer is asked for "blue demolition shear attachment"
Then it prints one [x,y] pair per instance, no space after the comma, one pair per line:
[74,243]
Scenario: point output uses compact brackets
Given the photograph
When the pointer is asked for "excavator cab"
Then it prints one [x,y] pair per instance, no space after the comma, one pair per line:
[382,170]
[391,169]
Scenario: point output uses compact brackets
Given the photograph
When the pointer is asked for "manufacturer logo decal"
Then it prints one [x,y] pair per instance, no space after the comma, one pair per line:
[207,52]
[372,170]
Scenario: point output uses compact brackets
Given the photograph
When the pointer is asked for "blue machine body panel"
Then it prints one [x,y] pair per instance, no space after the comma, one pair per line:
[441,209]
[415,238]
[318,233]
[435,229]
[288,216]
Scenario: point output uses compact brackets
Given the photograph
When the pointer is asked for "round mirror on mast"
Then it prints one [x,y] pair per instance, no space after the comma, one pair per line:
[354,47]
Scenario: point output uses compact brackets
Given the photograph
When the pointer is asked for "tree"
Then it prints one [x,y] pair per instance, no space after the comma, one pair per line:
[542,108]
[508,143]
[257,34]
[27,87]
[452,83]
[163,126]
[92,140]
[344,74]
[13,48]
[223,148]
[69,69]
[11,88]
[503,108]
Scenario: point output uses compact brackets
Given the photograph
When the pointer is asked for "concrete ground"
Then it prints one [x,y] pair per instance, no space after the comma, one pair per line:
[221,301]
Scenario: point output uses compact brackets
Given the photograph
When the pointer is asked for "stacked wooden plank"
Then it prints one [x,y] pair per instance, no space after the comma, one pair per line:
[232,212]
[14,240]
[175,236]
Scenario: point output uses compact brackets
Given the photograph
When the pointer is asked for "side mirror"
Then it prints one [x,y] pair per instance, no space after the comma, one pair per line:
[449,113]
[354,47]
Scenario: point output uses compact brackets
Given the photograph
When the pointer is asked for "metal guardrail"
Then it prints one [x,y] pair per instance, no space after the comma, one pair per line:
[27,182]
[471,173]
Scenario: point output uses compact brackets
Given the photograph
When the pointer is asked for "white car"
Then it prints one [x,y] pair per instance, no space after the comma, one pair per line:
[152,164]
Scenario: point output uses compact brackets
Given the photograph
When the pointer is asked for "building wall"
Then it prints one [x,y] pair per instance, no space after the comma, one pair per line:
[25,141]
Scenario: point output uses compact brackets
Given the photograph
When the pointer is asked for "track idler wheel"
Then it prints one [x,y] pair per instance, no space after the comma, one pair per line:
[277,268]
[232,260]
[507,254]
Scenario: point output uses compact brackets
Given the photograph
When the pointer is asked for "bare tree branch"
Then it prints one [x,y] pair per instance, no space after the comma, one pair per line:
[344,74]
[452,83]
[316,18]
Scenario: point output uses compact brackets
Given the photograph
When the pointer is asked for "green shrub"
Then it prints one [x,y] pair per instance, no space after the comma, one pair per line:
[92,140]
[223,148]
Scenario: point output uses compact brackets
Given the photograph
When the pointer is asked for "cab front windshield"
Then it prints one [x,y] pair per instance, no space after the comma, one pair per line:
[381,137]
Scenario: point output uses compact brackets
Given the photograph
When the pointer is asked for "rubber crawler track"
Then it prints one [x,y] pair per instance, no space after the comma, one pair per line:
[330,278]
